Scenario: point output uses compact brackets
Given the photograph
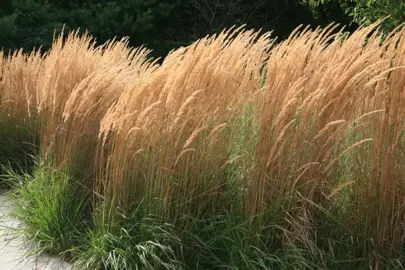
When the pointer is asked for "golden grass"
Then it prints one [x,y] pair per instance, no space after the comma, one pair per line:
[312,118]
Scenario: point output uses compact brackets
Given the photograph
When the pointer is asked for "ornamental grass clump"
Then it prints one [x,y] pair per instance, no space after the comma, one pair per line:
[235,151]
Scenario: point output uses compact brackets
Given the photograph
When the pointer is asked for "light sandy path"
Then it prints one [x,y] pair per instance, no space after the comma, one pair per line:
[12,251]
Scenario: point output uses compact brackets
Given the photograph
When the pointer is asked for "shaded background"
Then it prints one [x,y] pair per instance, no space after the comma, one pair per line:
[163,25]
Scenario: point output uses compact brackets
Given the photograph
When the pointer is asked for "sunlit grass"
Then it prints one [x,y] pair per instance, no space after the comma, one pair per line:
[233,153]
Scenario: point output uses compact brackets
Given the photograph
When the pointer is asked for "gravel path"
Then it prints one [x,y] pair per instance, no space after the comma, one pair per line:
[12,251]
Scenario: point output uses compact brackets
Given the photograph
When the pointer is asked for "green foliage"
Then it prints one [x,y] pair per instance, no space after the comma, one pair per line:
[367,11]
[48,206]
[371,11]
[136,242]
[206,241]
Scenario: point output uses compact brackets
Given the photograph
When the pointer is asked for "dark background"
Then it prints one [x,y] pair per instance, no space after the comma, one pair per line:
[162,25]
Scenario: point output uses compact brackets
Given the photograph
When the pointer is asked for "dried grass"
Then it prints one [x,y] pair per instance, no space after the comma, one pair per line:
[316,114]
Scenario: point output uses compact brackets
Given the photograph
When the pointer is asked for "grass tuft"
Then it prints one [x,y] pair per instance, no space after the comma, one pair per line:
[53,218]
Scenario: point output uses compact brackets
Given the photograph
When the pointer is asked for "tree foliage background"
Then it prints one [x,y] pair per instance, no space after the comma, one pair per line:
[166,24]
